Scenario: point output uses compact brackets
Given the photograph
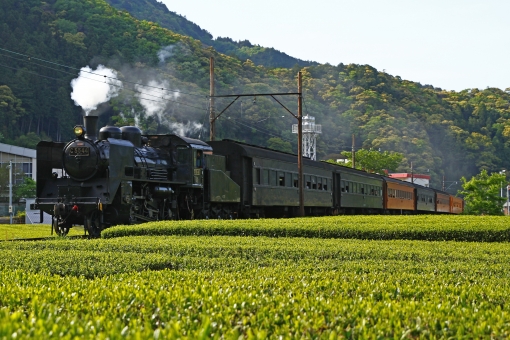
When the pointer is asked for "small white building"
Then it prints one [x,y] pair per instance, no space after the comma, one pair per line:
[24,164]
[34,216]
[24,160]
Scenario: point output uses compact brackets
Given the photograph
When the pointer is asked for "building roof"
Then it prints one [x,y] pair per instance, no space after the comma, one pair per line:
[17,150]
[408,175]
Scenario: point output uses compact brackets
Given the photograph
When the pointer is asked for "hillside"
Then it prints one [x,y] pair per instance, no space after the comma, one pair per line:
[446,133]
[155,11]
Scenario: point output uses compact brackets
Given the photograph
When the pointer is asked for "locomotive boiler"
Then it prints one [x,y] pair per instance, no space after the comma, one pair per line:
[121,177]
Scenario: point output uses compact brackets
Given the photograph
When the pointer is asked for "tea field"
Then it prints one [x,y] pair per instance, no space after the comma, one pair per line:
[9,232]
[233,279]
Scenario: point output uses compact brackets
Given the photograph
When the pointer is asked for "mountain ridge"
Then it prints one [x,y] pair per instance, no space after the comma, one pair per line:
[153,10]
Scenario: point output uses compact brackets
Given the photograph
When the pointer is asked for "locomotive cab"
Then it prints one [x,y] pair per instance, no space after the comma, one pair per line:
[190,160]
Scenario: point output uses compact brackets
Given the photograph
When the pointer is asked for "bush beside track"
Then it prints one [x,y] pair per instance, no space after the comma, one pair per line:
[416,227]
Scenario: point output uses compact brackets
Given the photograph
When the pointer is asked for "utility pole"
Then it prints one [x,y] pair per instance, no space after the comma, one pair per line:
[300,149]
[353,153]
[10,191]
[212,118]
[508,200]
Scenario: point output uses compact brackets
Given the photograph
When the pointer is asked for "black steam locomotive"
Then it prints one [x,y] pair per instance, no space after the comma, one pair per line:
[122,177]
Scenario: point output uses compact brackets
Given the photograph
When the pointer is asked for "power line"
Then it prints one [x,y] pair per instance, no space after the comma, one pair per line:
[237,122]
[111,84]
[81,70]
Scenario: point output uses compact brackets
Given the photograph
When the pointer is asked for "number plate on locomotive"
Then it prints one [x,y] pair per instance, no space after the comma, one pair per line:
[79,151]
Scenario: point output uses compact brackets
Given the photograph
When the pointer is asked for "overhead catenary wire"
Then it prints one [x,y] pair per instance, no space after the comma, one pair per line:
[237,122]
[97,80]
[29,58]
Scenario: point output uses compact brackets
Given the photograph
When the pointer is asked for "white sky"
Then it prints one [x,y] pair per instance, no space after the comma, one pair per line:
[451,44]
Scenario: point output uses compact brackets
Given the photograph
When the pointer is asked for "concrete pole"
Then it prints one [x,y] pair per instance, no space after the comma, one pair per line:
[508,200]
[300,149]
[212,118]
[353,156]
[10,192]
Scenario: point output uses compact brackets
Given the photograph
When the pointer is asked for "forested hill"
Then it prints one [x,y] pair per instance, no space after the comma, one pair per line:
[155,11]
[443,132]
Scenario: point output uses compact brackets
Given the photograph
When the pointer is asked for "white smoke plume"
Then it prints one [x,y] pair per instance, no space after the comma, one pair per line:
[182,129]
[92,88]
[154,97]
[165,52]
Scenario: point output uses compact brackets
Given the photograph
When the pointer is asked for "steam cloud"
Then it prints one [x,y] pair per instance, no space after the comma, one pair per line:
[182,129]
[165,52]
[93,88]
[154,98]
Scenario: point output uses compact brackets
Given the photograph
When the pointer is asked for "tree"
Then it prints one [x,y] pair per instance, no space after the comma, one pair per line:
[375,161]
[276,143]
[25,189]
[482,194]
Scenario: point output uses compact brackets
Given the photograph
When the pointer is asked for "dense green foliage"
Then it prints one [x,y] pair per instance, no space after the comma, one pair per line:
[226,287]
[452,134]
[482,193]
[413,227]
[372,160]
[25,189]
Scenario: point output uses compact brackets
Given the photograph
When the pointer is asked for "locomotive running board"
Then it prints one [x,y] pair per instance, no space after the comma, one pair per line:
[145,218]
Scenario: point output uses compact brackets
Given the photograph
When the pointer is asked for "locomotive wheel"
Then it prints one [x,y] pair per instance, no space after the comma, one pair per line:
[93,224]
[60,228]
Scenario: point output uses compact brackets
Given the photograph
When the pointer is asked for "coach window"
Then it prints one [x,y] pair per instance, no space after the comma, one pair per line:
[342,185]
[295,181]
[314,182]
[362,189]
[308,182]
[354,187]
[272,178]
[281,179]
[319,183]
[325,184]
[265,177]
[347,186]
[257,175]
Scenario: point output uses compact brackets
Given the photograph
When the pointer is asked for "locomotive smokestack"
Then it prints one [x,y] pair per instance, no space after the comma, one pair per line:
[90,124]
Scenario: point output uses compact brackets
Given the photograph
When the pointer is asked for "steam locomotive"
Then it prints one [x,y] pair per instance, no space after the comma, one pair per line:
[120,176]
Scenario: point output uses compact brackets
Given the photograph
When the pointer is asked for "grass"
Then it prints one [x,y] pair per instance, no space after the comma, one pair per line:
[10,232]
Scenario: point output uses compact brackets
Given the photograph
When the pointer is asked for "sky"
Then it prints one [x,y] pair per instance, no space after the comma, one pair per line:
[450,44]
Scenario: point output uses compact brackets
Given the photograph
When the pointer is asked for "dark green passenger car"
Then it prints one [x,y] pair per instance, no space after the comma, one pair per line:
[269,181]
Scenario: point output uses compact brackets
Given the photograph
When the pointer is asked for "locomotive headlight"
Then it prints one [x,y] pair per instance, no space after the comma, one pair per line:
[78,131]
